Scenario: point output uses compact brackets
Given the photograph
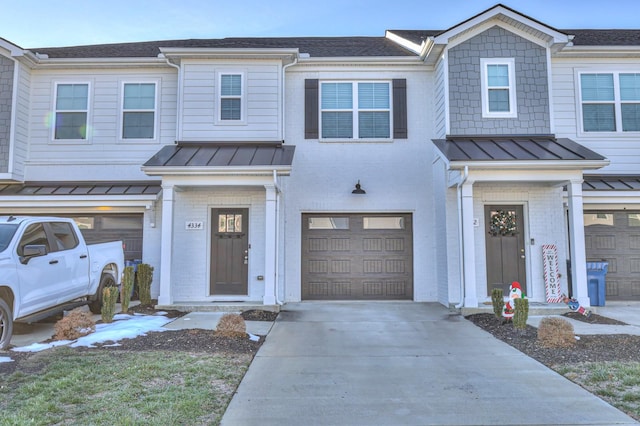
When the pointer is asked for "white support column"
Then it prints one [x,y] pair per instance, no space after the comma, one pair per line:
[271,242]
[166,244]
[469,246]
[576,241]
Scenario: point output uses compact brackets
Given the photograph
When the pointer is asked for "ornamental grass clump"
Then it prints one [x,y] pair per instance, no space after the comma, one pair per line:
[75,324]
[231,325]
[554,332]
[145,276]
[521,313]
[109,299]
[128,278]
[497,300]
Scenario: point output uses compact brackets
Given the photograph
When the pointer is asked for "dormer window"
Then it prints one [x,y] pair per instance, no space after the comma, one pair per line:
[498,88]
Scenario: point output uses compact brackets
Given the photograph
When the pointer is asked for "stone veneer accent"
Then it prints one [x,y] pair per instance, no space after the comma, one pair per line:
[532,91]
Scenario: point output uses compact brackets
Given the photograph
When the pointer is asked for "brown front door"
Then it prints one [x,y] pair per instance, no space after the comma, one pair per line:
[506,260]
[229,251]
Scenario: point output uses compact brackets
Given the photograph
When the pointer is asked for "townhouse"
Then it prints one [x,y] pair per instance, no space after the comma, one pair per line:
[424,165]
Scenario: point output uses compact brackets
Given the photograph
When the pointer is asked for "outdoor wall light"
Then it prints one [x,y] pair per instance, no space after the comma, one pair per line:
[358,189]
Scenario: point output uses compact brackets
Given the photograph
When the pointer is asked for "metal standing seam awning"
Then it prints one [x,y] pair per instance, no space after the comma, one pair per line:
[517,151]
[221,158]
[75,189]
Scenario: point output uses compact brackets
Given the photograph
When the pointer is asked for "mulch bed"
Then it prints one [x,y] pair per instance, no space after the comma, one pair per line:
[590,348]
[188,340]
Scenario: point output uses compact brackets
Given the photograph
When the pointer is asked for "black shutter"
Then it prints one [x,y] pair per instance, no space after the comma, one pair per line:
[400,109]
[311,109]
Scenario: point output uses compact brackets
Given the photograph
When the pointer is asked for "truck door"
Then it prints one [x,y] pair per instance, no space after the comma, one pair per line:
[73,261]
[40,277]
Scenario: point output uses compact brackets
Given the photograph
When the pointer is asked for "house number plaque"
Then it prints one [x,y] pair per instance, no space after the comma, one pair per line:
[193,225]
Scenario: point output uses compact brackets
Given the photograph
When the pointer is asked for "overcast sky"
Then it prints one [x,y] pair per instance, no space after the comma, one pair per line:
[47,23]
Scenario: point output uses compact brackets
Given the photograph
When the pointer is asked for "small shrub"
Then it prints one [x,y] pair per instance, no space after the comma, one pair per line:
[145,276]
[74,325]
[497,300]
[231,325]
[521,314]
[556,333]
[128,278]
[109,298]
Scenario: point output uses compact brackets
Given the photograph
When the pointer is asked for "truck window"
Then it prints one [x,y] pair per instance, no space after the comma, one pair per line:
[33,235]
[64,236]
[6,235]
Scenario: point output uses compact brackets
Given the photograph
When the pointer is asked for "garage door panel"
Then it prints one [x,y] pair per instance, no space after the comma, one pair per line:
[614,237]
[353,262]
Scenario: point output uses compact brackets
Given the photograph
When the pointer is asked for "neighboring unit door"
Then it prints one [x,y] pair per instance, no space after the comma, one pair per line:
[506,261]
[229,251]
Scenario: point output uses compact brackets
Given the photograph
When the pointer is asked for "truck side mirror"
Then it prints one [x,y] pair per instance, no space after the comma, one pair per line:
[33,250]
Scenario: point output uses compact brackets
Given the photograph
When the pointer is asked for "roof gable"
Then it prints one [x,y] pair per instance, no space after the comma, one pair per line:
[507,18]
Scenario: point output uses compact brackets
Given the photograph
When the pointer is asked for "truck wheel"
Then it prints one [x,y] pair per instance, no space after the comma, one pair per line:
[105,281]
[6,325]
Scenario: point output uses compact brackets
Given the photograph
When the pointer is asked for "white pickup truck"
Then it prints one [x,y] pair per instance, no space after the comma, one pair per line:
[46,267]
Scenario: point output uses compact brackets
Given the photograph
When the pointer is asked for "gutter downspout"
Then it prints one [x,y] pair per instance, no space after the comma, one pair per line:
[275,182]
[277,248]
[178,97]
[284,94]
[465,175]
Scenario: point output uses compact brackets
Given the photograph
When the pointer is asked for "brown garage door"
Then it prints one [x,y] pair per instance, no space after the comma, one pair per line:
[357,257]
[101,228]
[614,237]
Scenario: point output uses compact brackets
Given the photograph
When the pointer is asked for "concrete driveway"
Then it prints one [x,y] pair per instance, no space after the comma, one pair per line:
[395,363]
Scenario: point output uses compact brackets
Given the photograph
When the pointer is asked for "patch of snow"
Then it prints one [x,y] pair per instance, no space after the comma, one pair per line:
[124,326]
[253,337]
[5,359]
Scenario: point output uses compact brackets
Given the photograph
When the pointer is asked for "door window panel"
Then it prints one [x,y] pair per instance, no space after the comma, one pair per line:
[328,223]
[392,222]
[229,222]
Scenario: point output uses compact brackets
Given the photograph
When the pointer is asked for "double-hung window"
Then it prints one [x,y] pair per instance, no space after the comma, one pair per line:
[71,111]
[498,88]
[231,97]
[610,102]
[355,110]
[138,111]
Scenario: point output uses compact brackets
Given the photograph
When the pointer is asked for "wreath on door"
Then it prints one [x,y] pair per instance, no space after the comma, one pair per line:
[503,223]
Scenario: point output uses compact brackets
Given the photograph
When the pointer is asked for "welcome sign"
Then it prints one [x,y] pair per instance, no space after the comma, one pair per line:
[551,273]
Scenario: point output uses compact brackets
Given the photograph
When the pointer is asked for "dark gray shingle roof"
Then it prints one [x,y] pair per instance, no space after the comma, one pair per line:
[605,37]
[315,46]
[513,148]
[209,154]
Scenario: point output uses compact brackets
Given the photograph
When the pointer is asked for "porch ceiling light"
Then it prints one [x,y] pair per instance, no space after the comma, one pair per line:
[358,189]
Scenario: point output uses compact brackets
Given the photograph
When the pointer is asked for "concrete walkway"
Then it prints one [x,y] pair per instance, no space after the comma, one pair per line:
[401,364]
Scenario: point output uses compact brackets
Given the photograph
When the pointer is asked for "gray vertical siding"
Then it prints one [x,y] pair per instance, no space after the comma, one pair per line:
[6,96]
[532,92]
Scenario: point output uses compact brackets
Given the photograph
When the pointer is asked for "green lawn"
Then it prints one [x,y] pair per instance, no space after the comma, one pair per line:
[64,386]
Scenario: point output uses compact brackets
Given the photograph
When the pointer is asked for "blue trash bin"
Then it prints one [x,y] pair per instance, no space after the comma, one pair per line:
[596,274]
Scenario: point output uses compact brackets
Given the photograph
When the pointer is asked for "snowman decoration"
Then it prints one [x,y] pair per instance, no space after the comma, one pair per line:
[515,292]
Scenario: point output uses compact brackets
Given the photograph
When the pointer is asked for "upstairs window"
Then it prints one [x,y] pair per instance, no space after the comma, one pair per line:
[355,110]
[610,102]
[498,88]
[231,97]
[71,111]
[139,111]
